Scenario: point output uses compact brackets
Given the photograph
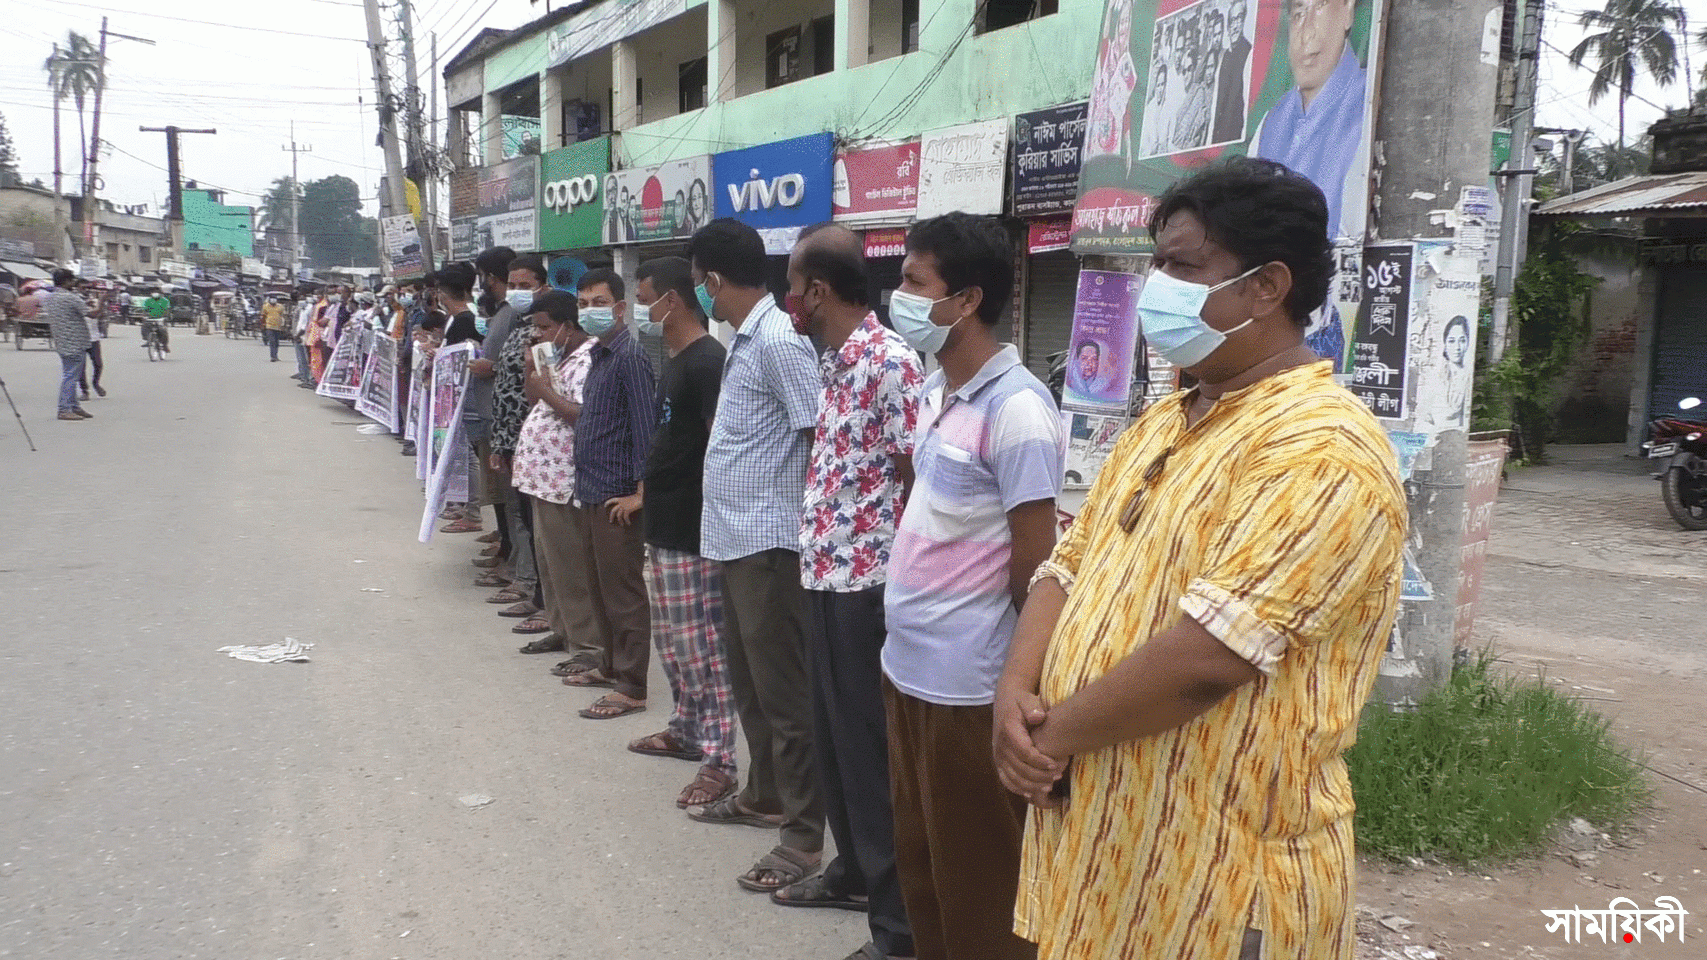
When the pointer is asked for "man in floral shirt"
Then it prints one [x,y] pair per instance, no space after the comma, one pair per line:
[856,487]
[544,469]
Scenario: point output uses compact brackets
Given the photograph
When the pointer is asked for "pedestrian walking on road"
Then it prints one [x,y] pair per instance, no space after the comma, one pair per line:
[988,451]
[686,589]
[272,324]
[755,475]
[95,367]
[856,489]
[67,313]
[1206,812]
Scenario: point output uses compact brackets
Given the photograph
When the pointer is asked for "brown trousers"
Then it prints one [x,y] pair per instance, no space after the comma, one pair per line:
[957,831]
[616,563]
[560,549]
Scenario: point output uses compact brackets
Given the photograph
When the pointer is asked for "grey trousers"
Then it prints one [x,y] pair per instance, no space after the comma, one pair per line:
[523,568]
[763,610]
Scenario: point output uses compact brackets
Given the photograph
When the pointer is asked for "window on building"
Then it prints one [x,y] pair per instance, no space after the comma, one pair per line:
[823,45]
[999,14]
[691,85]
[112,251]
[144,254]
[909,26]
[782,57]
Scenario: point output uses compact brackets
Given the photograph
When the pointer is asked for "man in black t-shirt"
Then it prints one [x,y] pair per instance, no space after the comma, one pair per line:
[686,589]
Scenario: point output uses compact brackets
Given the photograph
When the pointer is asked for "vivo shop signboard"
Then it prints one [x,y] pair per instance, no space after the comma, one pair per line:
[778,188]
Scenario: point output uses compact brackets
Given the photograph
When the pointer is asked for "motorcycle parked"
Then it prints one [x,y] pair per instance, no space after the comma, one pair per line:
[1682,444]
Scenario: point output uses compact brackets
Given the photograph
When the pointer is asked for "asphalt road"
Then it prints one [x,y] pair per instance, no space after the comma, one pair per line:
[160,800]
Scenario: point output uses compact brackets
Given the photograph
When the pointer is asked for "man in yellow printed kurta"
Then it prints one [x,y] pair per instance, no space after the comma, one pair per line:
[1192,659]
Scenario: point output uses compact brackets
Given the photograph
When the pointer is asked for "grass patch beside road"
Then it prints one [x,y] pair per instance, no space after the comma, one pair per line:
[1484,769]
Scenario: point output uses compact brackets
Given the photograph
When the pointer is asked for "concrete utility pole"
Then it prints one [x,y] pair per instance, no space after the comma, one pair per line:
[387,111]
[59,225]
[1518,178]
[295,202]
[420,155]
[1436,108]
[90,186]
[175,190]
[433,140]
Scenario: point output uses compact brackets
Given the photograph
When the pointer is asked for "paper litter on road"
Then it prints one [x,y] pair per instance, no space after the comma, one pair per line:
[475,800]
[290,651]
[373,589]
[373,429]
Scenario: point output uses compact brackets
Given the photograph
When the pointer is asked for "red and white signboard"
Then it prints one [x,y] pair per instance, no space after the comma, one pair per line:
[1048,236]
[885,243]
[876,184]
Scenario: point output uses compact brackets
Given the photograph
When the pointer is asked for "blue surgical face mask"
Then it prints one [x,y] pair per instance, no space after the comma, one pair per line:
[644,323]
[1171,314]
[911,315]
[519,300]
[408,300]
[479,324]
[707,302]
[598,321]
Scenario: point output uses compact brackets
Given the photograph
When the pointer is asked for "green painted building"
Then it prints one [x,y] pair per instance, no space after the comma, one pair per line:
[213,225]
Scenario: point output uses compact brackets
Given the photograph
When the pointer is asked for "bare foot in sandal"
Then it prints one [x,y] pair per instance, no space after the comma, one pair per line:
[782,867]
[708,787]
[613,705]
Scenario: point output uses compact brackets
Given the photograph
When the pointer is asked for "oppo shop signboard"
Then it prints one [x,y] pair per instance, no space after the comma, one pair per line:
[571,195]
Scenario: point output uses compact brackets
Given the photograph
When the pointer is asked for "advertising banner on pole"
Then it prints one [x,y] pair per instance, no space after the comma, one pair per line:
[1104,342]
[445,445]
[507,212]
[377,398]
[400,240]
[1179,84]
[667,202]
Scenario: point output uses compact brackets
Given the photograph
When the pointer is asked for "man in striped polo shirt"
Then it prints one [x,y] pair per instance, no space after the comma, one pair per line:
[988,453]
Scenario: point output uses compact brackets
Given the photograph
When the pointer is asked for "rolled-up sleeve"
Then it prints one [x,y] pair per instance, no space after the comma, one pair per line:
[1298,550]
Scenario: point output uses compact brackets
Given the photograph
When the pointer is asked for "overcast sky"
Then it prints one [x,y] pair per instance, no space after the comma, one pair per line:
[235,65]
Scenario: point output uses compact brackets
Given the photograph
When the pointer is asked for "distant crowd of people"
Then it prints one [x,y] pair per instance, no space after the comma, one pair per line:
[1125,743]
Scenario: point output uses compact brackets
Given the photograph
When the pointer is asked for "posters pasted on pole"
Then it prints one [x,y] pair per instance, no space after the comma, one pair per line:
[377,398]
[446,443]
[344,373]
[400,239]
[1097,394]
[1380,349]
[1179,84]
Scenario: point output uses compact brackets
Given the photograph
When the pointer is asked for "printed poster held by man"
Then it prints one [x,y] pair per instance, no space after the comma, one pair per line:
[1181,83]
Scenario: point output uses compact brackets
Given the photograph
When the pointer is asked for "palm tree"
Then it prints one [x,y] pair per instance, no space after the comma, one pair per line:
[1633,34]
[74,71]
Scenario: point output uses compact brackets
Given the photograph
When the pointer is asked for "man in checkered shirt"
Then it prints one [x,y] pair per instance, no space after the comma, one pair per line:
[755,477]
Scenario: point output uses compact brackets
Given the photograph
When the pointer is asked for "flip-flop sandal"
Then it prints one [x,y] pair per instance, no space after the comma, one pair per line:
[664,745]
[492,580]
[462,526]
[588,678]
[599,709]
[492,537]
[789,866]
[728,812]
[534,625]
[709,782]
[571,668]
[523,609]
[510,594]
[492,550]
[816,892]
[487,563]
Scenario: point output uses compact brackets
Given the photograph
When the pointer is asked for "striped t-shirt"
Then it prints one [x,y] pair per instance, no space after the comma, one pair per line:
[979,452]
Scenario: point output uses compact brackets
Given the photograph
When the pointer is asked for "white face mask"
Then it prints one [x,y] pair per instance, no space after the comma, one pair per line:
[644,323]
[1170,312]
[519,300]
[911,315]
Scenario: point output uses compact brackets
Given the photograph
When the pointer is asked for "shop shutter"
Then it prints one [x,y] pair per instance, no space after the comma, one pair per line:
[1680,344]
[1054,283]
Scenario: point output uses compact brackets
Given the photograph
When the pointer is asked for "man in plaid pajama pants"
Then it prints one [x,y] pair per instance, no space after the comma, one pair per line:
[686,589]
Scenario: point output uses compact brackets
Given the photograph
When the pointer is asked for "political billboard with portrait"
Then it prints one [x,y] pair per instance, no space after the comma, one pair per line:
[1179,84]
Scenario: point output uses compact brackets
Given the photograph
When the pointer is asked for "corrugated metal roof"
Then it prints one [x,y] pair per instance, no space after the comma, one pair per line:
[1655,194]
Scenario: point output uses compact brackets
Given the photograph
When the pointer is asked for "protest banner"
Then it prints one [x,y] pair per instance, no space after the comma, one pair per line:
[377,398]
[446,443]
[344,373]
